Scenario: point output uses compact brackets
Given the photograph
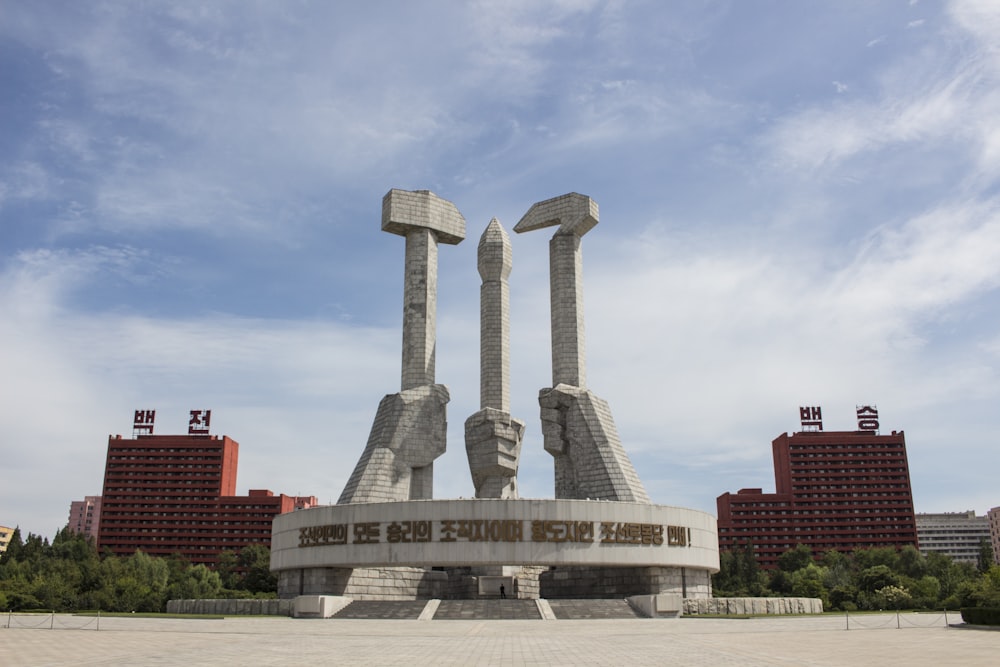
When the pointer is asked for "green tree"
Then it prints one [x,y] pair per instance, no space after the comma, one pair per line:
[877,577]
[795,558]
[926,592]
[892,597]
[780,582]
[807,582]
[844,598]
[984,560]
[226,565]
[866,558]
[34,549]
[136,583]
[195,582]
[255,562]
[69,575]
[751,578]
[839,570]
[985,591]
[739,573]
[14,547]
[951,576]
[911,562]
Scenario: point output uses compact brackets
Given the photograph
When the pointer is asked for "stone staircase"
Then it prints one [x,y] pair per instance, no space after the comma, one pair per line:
[584,609]
[455,610]
[485,610]
[383,609]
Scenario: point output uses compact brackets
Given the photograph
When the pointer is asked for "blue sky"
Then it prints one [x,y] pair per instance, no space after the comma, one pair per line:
[799,206]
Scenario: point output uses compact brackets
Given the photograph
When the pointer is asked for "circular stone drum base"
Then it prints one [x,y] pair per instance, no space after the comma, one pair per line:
[420,549]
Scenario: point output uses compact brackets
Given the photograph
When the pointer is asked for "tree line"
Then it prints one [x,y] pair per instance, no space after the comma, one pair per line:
[70,575]
[868,579]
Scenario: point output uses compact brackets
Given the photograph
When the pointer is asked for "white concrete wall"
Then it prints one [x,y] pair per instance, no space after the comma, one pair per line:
[495,532]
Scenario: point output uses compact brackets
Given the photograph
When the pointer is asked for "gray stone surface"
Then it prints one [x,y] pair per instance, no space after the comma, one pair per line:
[575,214]
[334,553]
[409,432]
[380,609]
[493,444]
[231,607]
[410,428]
[591,609]
[365,583]
[494,532]
[738,606]
[600,583]
[492,436]
[454,610]
[425,220]
[923,640]
[494,261]
[577,426]
[590,461]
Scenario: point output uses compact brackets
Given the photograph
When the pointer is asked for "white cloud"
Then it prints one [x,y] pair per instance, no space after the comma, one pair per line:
[764,246]
[75,376]
[26,180]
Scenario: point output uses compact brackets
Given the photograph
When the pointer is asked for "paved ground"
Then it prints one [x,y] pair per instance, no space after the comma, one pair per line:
[921,640]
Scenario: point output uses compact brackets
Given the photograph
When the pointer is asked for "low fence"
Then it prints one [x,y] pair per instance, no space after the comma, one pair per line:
[898,621]
[52,621]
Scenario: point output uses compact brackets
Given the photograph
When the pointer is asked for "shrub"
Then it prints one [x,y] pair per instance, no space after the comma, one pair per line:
[981,615]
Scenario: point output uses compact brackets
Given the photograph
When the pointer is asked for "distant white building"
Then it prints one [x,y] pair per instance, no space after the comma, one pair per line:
[955,534]
[994,518]
[5,535]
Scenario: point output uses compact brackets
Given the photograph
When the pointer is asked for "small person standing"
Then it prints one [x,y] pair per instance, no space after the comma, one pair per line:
[503,593]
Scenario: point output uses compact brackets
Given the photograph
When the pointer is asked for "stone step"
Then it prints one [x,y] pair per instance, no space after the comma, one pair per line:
[583,609]
[492,609]
[452,610]
[383,609]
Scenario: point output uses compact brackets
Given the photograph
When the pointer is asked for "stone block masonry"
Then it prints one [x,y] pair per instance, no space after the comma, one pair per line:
[409,432]
[590,461]
[492,436]
[388,539]
[577,426]
[410,429]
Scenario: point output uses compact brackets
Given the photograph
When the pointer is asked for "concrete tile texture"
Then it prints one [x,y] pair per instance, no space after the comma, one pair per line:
[921,639]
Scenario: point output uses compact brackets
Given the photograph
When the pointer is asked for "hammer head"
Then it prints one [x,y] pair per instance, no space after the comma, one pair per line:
[403,210]
[573,212]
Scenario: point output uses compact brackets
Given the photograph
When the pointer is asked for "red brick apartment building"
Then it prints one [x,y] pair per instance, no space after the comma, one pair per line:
[835,490]
[167,494]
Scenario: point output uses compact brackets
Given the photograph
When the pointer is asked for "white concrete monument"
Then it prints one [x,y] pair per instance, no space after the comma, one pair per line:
[600,537]
[410,428]
[577,426]
[492,436]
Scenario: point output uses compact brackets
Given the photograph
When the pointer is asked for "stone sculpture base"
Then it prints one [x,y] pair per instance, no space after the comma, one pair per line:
[578,583]
[409,432]
[590,461]
[440,549]
[493,444]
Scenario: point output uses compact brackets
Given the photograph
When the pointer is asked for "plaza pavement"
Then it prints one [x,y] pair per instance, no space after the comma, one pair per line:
[921,639]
